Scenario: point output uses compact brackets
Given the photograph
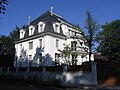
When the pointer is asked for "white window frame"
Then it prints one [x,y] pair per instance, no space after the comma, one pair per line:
[41,26]
[57,27]
[31,30]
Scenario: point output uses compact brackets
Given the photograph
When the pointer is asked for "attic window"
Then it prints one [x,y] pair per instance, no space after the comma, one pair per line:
[41,27]
[57,28]
[31,30]
[22,34]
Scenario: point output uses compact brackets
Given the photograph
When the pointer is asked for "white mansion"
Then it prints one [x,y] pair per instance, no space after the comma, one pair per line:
[42,40]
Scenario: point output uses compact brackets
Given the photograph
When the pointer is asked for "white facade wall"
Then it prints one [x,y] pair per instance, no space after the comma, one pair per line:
[48,46]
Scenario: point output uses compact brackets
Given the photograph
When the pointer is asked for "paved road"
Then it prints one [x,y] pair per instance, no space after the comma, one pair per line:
[18,86]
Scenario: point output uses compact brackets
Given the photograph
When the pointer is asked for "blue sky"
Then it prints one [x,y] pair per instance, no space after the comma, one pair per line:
[18,11]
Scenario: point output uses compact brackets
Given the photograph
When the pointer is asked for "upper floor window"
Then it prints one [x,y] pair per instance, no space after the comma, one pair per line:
[74,45]
[20,47]
[40,42]
[40,27]
[22,32]
[57,28]
[57,43]
[31,30]
[30,45]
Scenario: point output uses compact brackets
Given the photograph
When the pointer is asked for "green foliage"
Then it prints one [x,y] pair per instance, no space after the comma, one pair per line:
[6,41]
[108,69]
[65,54]
[8,44]
[92,28]
[109,40]
[2,6]
[14,35]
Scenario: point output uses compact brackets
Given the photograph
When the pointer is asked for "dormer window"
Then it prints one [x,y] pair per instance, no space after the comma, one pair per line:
[41,27]
[57,28]
[22,32]
[31,30]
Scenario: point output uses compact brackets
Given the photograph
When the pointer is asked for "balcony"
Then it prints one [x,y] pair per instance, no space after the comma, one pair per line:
[81,51]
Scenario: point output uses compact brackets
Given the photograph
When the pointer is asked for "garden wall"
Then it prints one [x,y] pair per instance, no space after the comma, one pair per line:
[67,75]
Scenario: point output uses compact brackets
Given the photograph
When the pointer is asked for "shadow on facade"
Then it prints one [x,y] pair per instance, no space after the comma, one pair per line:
[38,59]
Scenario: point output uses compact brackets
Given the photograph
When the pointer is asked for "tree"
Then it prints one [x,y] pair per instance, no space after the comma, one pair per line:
[65,54]
[8,44]
[109,40]
[92,27]
[14,35]
[5,46]
[2,6]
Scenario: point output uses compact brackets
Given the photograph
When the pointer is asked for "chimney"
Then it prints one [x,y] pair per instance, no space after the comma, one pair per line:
[28,20]
[51,10]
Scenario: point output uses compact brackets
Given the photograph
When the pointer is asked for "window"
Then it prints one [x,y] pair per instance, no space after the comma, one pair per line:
[68,32]
[40,59]
[57,59]
[40,42]
[57,43]
[56,28]
[30,57]
[31,31]
[22,34]
[74,59]
[30,45]
[41,27]
[81,43]
[21,60]
[20,47]
[30,60]
[74,45]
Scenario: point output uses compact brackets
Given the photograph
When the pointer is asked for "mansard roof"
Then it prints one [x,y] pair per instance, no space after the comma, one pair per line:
[48,19]
[48,16]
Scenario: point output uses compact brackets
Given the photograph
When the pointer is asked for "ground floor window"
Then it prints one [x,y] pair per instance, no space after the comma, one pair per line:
[21,61]
[30,60]
[40,59]
[74,60]
[57,59]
